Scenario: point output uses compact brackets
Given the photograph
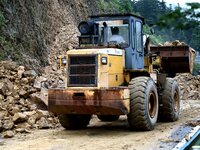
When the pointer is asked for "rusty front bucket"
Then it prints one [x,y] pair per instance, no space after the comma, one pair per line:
[111,101]
[175,59]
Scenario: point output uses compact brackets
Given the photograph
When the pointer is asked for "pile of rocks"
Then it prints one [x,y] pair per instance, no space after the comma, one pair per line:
[22,106]
[189,86]
[174,43]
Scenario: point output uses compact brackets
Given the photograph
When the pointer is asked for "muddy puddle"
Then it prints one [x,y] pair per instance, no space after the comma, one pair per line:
[180,133]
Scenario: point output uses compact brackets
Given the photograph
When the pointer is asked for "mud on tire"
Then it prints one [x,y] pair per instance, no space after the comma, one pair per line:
[170,101]
[143,104]
[74,122]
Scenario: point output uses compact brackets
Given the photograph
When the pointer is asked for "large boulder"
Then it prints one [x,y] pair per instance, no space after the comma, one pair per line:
[40,99]
[19,118]
[6,87]
[8,134]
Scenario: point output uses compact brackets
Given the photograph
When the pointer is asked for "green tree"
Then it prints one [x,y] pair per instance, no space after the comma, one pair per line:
[126,5]
[151,10]
[183,24]
[115,6]
[2,20]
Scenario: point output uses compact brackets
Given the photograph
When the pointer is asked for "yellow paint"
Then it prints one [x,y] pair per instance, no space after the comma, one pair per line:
[115,74]
[103,72]
[60,61]
[127,77]
[82,52]
[156,61]
[115,80]
[115,64]
[109,75]
[146,62]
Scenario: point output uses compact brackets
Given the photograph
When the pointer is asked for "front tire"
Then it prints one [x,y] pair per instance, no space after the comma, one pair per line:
[74,122]
[143,104]
[170,100]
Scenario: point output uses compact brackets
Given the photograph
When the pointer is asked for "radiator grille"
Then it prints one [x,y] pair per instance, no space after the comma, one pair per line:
[82,70]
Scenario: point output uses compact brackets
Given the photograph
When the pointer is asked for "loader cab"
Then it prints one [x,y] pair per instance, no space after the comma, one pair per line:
[98,30]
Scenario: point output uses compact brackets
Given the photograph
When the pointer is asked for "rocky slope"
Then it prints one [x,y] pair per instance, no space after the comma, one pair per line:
[22,101]
[39,27]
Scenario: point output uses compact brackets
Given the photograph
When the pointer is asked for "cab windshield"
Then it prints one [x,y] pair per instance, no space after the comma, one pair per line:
[117,31]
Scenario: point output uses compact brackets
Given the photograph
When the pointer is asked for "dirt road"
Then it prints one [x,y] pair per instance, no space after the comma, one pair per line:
[103,136]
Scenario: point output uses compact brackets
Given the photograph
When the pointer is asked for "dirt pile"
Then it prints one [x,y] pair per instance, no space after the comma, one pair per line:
[174,43]
[22,106]
[189,86]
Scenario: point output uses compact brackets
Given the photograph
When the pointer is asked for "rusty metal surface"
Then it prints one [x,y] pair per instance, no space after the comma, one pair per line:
[171,51]
[176,64]
[102,102]
[174,59]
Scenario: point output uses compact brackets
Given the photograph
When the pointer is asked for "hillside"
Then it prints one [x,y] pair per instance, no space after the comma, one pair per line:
[34,28]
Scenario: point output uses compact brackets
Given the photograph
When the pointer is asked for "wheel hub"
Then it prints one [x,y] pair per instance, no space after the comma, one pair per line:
[152,105]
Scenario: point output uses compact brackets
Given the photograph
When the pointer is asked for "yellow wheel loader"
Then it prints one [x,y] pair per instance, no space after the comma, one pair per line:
[109,78]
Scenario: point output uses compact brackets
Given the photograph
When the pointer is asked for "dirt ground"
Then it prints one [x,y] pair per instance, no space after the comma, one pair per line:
[107,136]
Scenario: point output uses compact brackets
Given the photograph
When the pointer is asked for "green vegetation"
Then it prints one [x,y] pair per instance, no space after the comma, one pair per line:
[2,20]
[196,69]
[115,6]
[183,24]
[8,49]
[151,10]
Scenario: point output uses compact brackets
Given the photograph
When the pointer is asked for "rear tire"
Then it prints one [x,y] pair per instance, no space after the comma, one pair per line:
[143,104]
[108,117]
[170,100]
[74,122]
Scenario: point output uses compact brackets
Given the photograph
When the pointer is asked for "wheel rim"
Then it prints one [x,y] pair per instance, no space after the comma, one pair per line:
[176,100]
[152,105]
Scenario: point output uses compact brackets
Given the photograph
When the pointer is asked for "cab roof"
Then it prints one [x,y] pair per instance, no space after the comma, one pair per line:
[118,15]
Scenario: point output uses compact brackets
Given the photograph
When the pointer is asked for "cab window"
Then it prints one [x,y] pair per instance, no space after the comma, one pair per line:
[133,34]
[139,36]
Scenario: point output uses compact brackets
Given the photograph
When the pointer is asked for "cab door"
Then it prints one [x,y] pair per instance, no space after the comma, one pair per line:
[139,52]
[135,53]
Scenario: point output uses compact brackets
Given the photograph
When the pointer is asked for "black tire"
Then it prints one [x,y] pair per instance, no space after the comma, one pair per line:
[74,122]
[108,117]
[143,104]
[170,101]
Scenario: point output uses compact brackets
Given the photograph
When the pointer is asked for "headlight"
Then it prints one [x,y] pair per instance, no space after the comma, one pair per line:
[104,60]
[85,27]
[88,28]
[64,61]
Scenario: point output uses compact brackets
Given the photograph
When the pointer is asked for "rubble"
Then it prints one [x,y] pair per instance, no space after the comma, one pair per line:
[23,105]
[19,118]
[173,43]
[194,123]
[8,134]
[40,98]
[189,86]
